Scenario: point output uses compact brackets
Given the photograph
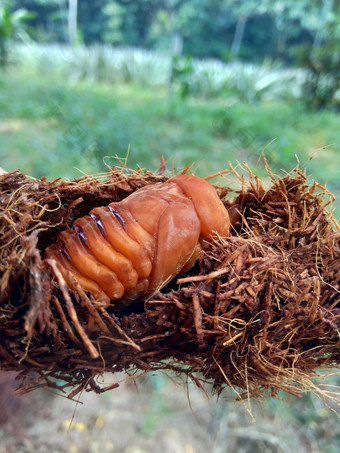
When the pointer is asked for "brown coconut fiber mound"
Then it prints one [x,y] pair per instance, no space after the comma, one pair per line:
[260,312]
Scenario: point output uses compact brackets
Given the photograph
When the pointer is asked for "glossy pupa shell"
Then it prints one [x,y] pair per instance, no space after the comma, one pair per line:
[131,249]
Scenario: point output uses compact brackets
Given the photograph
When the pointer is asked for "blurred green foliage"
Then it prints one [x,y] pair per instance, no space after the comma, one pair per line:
[285,31]
[11,27]
[322,85]
[50,125]
[181,75]
[208,27]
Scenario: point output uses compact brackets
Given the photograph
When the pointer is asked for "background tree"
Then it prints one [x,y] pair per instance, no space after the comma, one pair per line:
[11,27]
[72,21]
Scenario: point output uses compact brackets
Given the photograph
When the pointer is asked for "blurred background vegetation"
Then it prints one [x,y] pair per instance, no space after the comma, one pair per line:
[205,81]
[198,81]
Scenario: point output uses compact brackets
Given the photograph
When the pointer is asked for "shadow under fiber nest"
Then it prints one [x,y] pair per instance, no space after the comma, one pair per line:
[260,311]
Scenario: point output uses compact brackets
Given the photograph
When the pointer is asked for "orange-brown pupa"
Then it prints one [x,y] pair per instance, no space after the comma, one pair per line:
[133,248]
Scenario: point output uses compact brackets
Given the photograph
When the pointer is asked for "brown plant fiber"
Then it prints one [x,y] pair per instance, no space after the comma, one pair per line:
[259,312]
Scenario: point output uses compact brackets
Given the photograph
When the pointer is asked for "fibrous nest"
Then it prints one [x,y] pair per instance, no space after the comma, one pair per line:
[260,311]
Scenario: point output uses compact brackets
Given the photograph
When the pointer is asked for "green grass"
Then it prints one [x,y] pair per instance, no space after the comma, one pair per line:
[53,127]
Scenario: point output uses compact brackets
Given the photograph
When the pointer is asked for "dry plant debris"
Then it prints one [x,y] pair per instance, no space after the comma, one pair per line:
[260,312]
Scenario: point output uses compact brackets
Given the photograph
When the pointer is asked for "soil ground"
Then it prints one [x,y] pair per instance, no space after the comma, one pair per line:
[150,415]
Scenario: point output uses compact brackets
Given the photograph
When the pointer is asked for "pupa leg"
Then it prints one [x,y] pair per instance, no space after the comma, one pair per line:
[176,239]
[213,215]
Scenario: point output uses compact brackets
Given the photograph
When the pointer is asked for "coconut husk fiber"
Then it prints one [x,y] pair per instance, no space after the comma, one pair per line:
[259,312]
